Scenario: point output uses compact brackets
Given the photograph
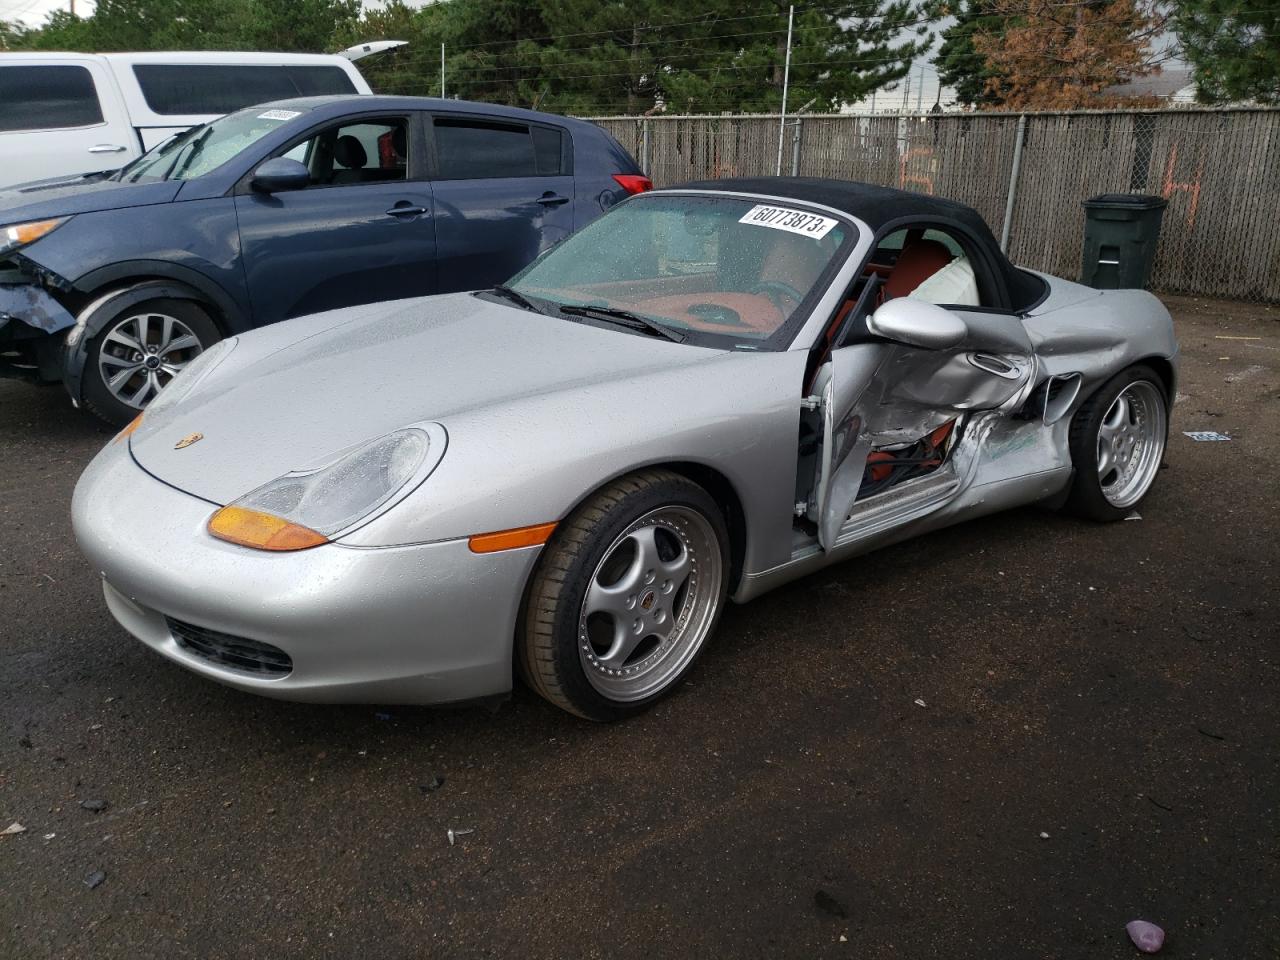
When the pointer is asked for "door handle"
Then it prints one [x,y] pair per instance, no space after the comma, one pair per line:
[550,199]
[106,148]
[405,211]
[996,365]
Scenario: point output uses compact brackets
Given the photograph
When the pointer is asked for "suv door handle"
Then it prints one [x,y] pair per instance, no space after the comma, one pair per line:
[550,199]
[107,148]
[405,210]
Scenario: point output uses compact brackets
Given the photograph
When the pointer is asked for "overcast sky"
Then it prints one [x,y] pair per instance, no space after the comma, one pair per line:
[32,12]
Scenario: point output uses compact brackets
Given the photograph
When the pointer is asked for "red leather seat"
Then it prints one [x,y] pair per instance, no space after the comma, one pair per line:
[919,260]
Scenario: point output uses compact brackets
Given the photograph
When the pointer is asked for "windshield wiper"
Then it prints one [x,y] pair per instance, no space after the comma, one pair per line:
[196,146]
[161,149]
[624,318]
[516,297]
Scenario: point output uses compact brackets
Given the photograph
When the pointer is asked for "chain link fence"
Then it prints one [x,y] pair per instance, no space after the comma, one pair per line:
[1218,169]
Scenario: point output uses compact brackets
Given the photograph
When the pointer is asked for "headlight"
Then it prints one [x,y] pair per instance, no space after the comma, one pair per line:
[21,234]
[301,510]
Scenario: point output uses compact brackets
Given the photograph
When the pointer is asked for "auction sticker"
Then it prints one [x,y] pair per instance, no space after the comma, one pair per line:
[279,115]
[793,221]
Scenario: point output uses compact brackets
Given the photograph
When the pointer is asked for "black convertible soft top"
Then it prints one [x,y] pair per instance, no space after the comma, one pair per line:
[884,207]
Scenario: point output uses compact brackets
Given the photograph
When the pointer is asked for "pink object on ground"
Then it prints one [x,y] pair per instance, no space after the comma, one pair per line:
[1147,937]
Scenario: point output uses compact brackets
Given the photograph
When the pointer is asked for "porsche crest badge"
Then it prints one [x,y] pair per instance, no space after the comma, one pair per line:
[188,440]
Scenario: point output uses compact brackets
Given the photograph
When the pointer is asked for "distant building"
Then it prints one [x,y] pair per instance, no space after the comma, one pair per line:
[1172,84]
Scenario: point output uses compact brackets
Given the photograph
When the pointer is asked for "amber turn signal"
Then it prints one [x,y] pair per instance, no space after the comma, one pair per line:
[133,425]
[19,235]
[262,531]
[511,539]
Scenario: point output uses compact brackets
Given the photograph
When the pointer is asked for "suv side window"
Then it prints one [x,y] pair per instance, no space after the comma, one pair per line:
[47,97]
[471,149]
[366,151]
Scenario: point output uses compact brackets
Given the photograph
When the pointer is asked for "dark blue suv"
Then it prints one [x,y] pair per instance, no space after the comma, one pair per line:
[113,282]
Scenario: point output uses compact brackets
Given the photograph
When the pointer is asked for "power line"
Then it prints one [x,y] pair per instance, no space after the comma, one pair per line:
[674,72]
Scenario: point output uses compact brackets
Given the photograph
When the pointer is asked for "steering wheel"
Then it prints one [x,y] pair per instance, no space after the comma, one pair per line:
[779,293]
[715,313]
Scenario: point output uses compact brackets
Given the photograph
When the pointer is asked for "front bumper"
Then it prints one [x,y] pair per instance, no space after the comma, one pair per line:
[32,328]
[421,624]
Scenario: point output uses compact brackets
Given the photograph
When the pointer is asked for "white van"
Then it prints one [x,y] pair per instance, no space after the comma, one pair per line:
[63,114]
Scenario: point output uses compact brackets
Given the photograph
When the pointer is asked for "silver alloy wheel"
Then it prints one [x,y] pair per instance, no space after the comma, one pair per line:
[1131,442]
[142,353]
[650,603]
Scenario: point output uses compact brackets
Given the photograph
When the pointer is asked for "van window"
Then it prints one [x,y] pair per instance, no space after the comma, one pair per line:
[476,149]
[178,89]
[47,98]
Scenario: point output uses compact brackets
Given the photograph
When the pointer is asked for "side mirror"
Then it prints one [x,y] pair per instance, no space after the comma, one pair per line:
[918,323]
[280,173]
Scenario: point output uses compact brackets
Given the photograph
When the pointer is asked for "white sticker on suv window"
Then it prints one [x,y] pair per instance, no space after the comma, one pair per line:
[793,221]
[279,114]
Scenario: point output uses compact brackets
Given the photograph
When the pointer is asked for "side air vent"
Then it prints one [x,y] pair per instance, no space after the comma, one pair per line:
[1060,395]
[1051,399]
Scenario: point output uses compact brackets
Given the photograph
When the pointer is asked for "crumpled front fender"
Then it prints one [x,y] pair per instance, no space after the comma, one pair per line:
[30,304]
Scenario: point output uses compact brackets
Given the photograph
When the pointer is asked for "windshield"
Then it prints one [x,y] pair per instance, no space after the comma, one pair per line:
[721,271]
[204,148]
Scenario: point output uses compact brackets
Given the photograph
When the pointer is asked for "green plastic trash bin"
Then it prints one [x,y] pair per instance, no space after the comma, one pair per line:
[1120,234]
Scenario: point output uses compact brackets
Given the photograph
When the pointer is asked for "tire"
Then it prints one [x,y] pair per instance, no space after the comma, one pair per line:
[643,566]
[145,371]
[1117,448]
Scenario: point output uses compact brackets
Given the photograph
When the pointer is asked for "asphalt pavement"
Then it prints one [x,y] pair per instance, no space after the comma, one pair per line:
[1002,740]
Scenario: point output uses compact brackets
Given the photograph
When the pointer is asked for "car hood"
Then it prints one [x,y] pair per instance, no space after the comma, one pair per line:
[292,395]
[64,196]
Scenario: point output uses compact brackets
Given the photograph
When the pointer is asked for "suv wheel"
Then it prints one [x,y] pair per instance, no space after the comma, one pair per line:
[139,351]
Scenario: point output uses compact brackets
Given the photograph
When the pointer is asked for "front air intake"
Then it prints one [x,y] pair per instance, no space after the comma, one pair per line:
[231,652]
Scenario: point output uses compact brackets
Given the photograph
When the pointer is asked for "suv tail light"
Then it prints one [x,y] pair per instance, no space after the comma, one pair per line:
[633,182]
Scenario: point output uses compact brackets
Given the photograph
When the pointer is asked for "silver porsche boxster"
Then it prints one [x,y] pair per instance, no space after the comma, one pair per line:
[708,392]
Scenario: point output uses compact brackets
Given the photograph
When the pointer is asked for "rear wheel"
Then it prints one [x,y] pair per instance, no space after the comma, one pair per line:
[624,598]
[1117,444]
[139,351]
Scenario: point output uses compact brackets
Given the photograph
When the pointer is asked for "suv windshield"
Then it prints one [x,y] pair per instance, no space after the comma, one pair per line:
[720,271]
[204,148]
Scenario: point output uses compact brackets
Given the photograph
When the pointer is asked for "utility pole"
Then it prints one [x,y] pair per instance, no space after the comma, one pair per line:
[786,80]
[920,88]
[442,71]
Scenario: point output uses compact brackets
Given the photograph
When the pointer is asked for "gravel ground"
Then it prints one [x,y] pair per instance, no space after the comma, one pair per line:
[1100,741]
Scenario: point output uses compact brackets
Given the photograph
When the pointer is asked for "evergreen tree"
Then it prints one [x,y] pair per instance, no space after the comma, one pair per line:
[303,26]
[639,56]
[413,69]
[959,65]
[581,57]
[1233,47]
[12,35]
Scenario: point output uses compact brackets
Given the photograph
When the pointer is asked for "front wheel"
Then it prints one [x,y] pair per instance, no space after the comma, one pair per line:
[139,351]
[1117,444]
[623,600]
